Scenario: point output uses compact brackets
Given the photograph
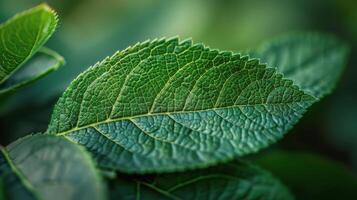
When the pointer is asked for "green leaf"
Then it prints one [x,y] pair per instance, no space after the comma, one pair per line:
[166,105]
[12,185]
[49,167]
[236,180]
[22,36]
[311,176]
[314,61]
[42,63]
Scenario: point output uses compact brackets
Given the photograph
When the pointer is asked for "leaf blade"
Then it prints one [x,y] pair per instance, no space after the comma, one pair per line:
[143,103]
[14,184]
[45,61]
[53,167]
[22,36]
[236,180]
[314,61]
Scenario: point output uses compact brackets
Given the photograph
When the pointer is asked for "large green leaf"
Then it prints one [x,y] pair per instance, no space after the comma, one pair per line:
[166,105]
[22,36]
[48,167]
[314,61]
[236,180]
[310,176]
[42,63]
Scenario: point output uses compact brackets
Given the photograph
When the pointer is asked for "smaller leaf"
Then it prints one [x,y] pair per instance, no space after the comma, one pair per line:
[14,186]
[314,61]
[310,176]
[49,167]
[43,63]
[236,180]
[21,37]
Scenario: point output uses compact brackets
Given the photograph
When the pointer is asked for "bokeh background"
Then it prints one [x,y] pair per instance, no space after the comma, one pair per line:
[90,30]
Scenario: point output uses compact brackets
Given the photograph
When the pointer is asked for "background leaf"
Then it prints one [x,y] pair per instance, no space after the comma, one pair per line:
[13,187]
[310,176]
[42,63]
[236,180]
[164,106]
[22,36]
[51,168]
[314,61]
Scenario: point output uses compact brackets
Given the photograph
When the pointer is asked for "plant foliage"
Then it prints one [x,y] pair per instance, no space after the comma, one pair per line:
[21,38]
[164,108]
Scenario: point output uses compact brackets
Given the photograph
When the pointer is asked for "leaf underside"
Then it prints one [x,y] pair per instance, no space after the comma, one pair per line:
[49,167]
[313,61]
[42,63]
[166,105]
[20,38]
[235,180]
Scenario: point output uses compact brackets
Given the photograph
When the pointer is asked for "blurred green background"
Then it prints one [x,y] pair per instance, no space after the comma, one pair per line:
[90,30]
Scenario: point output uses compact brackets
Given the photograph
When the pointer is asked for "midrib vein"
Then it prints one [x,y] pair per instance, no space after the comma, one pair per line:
[110,120]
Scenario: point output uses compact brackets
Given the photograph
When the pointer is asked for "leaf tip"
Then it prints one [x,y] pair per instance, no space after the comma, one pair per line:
[45,7]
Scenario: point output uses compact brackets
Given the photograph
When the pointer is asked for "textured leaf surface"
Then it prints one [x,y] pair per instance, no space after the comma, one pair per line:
[49,167]
[313,61]
[42,63]
[236,180]
[311,176]
[166,105]
[22,36]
